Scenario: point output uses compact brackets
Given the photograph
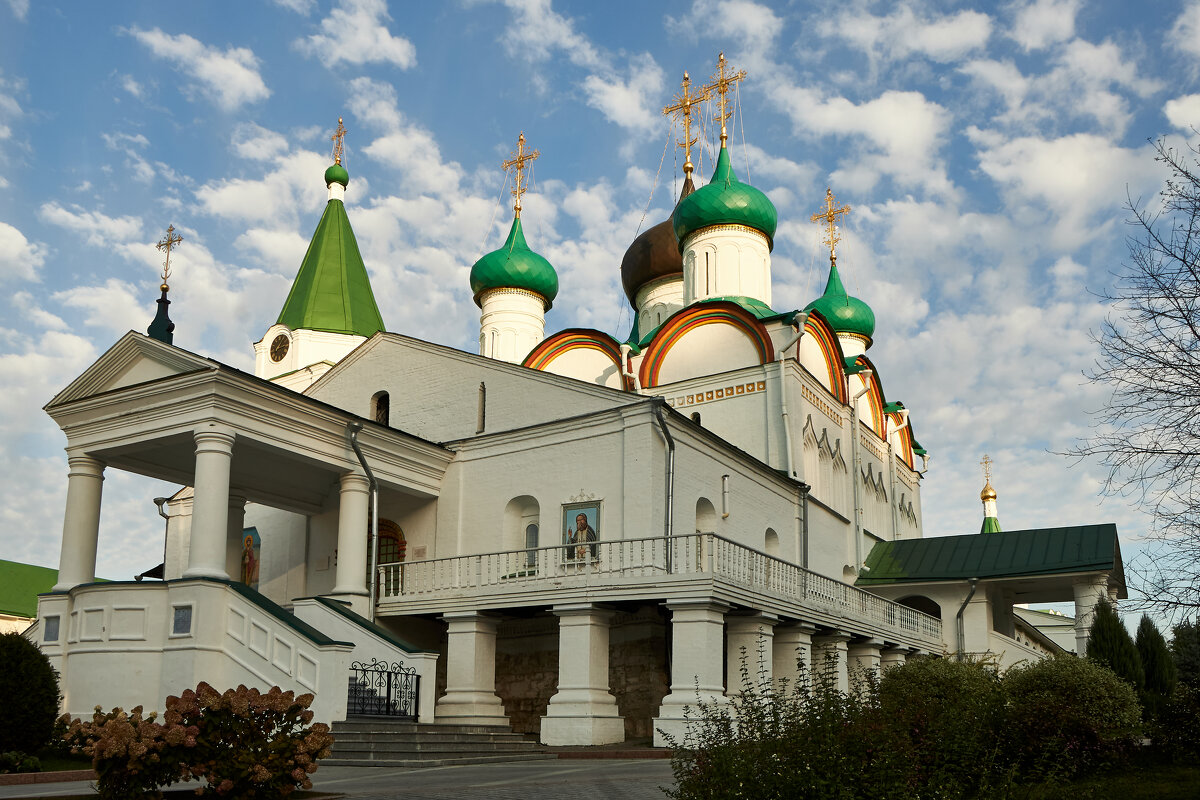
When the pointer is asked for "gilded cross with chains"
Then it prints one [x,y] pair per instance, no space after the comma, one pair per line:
[165,244]
[518,160]
[683,107]
[339,142]
[829,217]
[986,463]
[721,82]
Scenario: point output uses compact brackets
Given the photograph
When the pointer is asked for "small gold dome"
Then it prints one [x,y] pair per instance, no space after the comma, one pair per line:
[988,492]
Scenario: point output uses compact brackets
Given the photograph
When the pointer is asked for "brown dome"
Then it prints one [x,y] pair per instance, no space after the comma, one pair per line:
[653,255]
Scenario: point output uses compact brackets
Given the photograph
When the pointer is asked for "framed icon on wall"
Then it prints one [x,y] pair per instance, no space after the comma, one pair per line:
[581,531]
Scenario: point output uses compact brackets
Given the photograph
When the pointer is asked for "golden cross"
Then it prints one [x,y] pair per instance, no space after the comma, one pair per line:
[519,159]
[987,468]
[683,107]
[720,84]
[339,142]
[830,215]
[165,244]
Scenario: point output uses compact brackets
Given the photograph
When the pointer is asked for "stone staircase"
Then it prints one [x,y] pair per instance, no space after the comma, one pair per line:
[382,742]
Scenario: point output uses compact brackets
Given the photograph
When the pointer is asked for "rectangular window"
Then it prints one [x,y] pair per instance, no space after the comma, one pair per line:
[181,621]
[51,634]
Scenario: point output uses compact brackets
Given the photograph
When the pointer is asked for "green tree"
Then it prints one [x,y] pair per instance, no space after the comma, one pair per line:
[1157,664]
[28,695]
[1185,647]
[1111,645]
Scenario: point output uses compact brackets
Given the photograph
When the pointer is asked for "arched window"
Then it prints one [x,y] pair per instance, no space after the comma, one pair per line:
[381,407]
[771,542]
[522,522]
[392,545]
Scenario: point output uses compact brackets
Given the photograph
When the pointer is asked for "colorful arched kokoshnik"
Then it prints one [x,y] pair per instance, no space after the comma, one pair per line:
[831,351]
[696,316]
[874,397]
[906,439]
[562,342]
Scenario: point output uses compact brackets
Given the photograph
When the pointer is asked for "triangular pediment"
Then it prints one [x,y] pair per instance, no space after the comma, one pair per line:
[134,359]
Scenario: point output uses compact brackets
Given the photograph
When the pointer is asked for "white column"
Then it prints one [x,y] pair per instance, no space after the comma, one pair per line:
[233,536]
[470,697]
[353,509]
[697,659]
[81,522]
[863,656]
[826,649]
[791,655]
[210,506]
[894,656]
[1088,592]
[582,711]
[752,633]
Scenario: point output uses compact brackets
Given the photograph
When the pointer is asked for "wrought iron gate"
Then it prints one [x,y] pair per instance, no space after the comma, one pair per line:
[383,689]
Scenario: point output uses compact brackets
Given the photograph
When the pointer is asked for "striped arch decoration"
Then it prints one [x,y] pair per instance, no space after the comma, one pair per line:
[572,339]
[906,439]
[831,350]
[874,397]
[695,316]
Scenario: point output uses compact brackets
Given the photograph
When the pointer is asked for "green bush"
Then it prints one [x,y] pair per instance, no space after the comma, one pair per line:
[948,715]
[1110,644]
[1185,648]
[1068,716]
[1177,730]
[16,761]
[1158,666]
[243,743]
[28,695]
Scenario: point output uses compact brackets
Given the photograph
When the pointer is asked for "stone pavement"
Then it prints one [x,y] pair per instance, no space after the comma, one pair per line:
[562,779]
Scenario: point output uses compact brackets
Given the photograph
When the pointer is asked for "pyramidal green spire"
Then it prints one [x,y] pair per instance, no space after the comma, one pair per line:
[332,291]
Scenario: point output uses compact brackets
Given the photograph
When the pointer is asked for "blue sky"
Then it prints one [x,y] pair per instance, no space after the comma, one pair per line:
[987,152]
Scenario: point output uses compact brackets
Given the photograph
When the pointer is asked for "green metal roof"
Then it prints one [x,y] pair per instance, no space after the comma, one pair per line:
[1040,551]
[845,314]
[20,585]
[725,200]
[515,266]
[332,291]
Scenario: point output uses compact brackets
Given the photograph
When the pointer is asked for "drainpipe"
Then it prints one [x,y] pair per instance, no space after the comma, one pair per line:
[857,476]
[160,502]
[892,465]
[962,634]
[801,318]
[802,525]
[354,428]
[668,529]
[627,371]
[724,497]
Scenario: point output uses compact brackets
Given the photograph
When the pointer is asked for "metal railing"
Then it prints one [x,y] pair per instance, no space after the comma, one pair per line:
[600,562]
[383,689]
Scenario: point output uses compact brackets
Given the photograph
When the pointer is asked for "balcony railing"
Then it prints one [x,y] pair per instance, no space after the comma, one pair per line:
[609,562]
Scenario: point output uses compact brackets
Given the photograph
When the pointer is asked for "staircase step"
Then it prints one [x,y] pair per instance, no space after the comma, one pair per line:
[430,761]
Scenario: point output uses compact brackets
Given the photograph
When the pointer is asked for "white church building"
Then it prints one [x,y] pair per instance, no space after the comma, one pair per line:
[571,535]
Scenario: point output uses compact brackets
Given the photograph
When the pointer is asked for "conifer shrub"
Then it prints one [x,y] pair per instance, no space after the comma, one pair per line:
[1110,644]
[1067,716]
[1178,728]
[1158,666]
[242,743]
[28,695]
[1185,649]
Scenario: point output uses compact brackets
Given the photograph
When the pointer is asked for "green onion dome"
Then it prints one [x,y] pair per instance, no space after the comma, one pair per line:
[515,266]
[845,314]
[725,200]
[337,174]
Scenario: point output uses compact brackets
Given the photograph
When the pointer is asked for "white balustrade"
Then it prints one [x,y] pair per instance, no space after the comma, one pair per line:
[606,562]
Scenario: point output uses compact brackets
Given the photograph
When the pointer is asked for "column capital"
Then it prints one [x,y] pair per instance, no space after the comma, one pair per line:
[582,610]
[832,636]
[85,465]
[698,604]
[354,482]
[215,438]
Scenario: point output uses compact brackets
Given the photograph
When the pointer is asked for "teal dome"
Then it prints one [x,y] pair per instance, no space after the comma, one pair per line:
[515,266]
[725,200]
[337,174]
[845,314]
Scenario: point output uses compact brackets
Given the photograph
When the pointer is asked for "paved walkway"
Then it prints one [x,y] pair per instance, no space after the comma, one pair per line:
[563,779]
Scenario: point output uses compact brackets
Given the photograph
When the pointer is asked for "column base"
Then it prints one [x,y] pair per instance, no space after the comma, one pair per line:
[672,720]
[582,729]
[470,708]
[359,603]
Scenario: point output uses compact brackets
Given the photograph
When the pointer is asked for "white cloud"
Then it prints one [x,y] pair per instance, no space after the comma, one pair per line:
[634,103]
[1073,178]
[257,143]
[1184,35]
[20,8]
[20,259]
[905,33]
[754,27]
[304,7]
[114,307]
[1183,112]
[536,31]
[1044,22]
[902,133]
[99,229]
[296,182]
[25,303]
[132,86]
[228,78]
[356,32]
[130,145]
